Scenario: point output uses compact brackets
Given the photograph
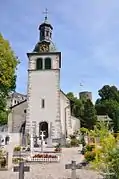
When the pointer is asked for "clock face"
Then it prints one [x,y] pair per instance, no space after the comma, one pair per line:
[44,48]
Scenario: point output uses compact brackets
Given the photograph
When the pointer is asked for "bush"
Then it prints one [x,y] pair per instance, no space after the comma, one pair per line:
[89,156]
[74,142]
[58,148]
[17,160]
[3,162]
[90,147]
[68,145]
[17,149]
[82,141]
[83,151]
[73,136]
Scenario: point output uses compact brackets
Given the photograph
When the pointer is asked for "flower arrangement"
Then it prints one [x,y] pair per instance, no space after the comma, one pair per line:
[44,156]
[58,148]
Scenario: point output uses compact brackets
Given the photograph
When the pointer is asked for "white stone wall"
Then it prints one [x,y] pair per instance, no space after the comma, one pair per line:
[75,124]
[65,115]
[17,117]
[44,84]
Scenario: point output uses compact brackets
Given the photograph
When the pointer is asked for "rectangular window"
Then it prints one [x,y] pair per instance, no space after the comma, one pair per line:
[43,103]
[47,33]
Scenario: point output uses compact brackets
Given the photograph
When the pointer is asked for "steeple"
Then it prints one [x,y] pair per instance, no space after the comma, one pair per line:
[45,29]
[45,42]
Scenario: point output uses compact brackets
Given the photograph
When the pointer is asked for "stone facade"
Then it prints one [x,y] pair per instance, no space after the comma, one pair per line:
[69,124]
[17,117]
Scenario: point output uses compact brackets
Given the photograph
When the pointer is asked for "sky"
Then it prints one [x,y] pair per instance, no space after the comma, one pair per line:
[85,31]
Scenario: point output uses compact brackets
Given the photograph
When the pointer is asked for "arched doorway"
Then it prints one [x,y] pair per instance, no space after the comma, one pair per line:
[43,126]
[7,138]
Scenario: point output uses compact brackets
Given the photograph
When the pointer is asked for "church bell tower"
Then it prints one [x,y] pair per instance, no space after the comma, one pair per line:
[43,112]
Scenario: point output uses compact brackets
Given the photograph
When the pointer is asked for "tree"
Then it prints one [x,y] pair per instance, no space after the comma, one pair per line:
[76,105]
[8,64]
[108,104]
[115,117]
[109,92]
[89,117]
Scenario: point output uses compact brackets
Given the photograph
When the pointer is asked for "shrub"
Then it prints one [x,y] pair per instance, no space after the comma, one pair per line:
[74,142]
[58,148]
[89,156]
[82,141]
[17,149]
[90,147]
[3,162]
[68,145]
[73,136]
[17,160]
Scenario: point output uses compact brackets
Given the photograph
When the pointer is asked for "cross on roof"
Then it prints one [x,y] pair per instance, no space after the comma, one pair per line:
[46,14]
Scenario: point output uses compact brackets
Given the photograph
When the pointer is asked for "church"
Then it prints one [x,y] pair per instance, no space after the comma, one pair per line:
[45,107]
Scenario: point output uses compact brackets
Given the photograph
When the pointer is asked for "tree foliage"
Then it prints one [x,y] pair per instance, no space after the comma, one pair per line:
[83,109]
[107,151]
[8,64]
[108,104]
[89,115]
[76,105]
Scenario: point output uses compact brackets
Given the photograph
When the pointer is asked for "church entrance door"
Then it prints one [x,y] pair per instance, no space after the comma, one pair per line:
[43,126]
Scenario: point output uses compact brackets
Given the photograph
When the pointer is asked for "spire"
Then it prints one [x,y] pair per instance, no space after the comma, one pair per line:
[45,28]
[45,34]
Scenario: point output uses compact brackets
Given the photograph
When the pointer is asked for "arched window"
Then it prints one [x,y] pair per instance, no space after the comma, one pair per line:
[39,64]
[47,63]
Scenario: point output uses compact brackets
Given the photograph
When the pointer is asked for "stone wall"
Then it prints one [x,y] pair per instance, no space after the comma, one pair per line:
[17,117]
[75,124]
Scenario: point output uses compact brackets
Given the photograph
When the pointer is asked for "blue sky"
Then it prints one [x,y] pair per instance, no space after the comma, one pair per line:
[85,31]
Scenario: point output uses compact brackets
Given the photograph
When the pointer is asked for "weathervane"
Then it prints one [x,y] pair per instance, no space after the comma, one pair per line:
[46,14]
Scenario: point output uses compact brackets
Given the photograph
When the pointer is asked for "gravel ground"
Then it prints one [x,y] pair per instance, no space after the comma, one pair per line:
[54,170]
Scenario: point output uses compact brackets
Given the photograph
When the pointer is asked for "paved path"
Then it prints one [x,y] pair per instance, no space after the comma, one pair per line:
[54,170]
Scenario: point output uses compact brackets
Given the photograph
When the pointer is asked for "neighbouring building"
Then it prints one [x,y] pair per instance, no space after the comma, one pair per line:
[85,95]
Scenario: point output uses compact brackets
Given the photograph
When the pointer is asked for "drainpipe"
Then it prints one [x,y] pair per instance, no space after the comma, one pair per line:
[65,110]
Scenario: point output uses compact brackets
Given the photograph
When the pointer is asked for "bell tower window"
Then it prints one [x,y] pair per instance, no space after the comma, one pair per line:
[39,64]
[47,63]
[42,33]
[47,33]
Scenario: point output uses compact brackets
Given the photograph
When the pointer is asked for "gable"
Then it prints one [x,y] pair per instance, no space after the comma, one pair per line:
[19,104]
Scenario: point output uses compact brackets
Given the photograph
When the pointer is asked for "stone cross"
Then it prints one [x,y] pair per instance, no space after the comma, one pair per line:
[73,166]
[21,169]
[42,138]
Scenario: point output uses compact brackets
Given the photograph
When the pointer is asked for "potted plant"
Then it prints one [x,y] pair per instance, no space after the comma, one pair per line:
[58,148]
[2,159]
